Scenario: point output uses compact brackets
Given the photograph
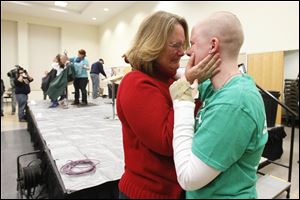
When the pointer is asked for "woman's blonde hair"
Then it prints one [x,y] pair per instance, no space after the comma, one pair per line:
[151,39]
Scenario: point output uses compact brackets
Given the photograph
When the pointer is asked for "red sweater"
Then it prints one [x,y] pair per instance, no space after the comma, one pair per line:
[145,109]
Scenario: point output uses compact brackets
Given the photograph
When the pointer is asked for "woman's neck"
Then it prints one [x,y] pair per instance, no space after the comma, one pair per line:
[162,74]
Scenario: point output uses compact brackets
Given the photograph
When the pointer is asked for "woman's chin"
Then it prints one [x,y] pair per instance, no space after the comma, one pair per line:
[175,66]
[174,69]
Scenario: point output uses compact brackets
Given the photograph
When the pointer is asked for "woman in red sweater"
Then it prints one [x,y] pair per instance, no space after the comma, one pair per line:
[146,111]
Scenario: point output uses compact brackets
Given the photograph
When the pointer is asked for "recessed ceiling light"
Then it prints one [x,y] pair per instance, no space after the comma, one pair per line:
[58,10]
[106,9]
[94,18]
[60,3]
[19,3]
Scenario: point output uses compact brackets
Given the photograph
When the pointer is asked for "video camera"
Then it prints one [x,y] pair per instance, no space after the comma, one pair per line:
[14,73]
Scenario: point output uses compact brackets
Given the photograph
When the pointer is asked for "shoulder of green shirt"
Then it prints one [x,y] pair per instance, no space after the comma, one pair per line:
[238,91]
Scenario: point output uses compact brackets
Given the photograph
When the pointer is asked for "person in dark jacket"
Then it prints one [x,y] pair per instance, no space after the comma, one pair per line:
[22,91]
[96,69]
[2,92]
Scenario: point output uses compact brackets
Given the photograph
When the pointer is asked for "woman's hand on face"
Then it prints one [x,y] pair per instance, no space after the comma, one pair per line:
[204,70]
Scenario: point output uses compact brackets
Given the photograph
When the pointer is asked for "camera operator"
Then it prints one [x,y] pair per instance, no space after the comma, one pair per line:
[22,90]
[12,74]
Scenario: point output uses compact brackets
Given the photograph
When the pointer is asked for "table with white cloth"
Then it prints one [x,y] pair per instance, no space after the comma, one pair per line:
[78,133]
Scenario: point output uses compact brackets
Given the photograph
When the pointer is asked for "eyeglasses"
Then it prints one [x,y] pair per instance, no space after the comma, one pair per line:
[178,46]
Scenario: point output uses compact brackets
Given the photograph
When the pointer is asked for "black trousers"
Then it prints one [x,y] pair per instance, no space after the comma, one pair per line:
[80,84]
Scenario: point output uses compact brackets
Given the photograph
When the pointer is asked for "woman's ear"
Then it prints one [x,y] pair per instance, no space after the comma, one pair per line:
[214,45]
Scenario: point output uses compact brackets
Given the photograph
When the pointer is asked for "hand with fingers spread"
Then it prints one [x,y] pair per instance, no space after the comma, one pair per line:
[205,69]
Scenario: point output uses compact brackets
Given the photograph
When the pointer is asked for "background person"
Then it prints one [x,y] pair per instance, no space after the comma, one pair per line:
[22,91]
[96,69]
[81,66]
[58,67]
[12,74]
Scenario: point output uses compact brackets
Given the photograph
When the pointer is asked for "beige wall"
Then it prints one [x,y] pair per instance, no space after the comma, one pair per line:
[291,64]
[9,49]
[73,37]
[43,45]
[116,35]
[268,26]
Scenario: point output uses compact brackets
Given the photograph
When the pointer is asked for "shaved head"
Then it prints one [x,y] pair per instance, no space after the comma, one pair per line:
[227,28]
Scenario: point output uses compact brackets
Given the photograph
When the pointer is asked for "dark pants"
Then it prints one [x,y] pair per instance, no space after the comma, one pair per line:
[95,81]
[80,84]
[22,103]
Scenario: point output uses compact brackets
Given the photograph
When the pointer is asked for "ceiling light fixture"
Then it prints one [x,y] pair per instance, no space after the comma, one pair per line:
[58,10]
[60,3]
[19,3]
[106,9]
[94,18]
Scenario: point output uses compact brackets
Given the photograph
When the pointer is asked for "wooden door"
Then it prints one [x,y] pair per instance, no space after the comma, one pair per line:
[267,71]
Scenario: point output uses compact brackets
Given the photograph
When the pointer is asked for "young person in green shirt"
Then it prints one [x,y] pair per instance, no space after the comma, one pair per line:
[216,155]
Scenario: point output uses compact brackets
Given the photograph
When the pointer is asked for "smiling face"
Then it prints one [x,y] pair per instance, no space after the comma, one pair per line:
[170,56]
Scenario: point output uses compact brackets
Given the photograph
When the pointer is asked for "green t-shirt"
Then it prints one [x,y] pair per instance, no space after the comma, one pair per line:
[230,135]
